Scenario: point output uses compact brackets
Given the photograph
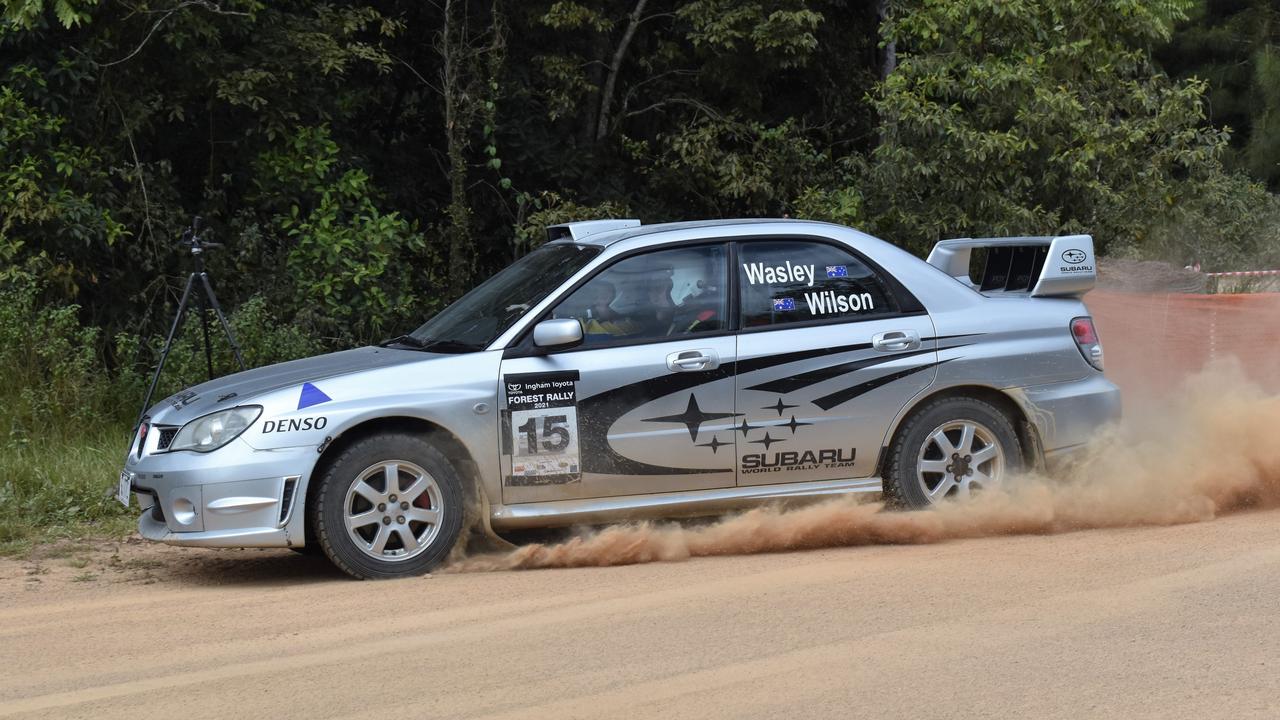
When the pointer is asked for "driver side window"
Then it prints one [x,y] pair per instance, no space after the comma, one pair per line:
[666,294]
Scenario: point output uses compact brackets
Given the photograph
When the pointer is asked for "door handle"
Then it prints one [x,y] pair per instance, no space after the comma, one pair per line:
[895,340]
[692,360]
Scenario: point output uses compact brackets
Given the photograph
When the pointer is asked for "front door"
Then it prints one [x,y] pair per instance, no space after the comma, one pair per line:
[829,352]
[645,404]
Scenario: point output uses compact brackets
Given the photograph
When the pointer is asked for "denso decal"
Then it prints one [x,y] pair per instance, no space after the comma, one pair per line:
[758,273]
[295,424]
[830,301]
[789,460]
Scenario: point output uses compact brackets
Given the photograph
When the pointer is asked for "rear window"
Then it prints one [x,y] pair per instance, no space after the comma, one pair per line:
[787,282]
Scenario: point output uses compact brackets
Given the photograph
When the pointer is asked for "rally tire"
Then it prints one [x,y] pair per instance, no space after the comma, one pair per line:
[332,514]
[908,487]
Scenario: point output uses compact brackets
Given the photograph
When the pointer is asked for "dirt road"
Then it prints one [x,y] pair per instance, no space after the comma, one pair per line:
[1170,622]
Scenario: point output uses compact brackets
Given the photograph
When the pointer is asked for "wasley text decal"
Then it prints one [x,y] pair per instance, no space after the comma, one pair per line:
[774,274]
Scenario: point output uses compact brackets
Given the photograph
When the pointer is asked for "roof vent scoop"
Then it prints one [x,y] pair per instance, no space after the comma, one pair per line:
[584,228]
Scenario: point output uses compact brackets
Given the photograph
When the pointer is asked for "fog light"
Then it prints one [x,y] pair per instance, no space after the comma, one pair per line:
[184,511]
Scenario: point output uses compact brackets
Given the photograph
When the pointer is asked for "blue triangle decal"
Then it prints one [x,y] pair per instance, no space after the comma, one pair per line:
[311,395]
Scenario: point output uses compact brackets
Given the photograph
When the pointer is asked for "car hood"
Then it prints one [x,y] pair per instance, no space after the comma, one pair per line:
[242,387]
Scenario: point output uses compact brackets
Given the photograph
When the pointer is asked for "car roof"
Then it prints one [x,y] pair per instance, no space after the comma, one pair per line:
[606,238]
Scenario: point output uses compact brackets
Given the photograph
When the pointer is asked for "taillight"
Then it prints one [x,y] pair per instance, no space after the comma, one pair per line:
[1087,340]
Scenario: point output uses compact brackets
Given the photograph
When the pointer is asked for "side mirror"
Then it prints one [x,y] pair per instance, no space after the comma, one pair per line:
[561,333]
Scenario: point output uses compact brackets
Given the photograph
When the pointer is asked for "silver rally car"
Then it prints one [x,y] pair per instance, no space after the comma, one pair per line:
[625,370]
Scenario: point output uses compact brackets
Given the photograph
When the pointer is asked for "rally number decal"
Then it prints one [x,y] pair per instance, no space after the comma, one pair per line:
[543,428]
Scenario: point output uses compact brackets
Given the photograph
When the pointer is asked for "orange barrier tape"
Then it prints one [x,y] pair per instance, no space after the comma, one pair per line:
[1152,341]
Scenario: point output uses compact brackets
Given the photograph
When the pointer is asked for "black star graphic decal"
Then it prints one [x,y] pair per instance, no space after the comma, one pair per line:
[715,444]
[766,441]
[793,424]
[692,417]
[779,406]
[745,428]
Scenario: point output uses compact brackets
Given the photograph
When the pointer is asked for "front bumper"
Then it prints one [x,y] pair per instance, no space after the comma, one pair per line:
[235,496]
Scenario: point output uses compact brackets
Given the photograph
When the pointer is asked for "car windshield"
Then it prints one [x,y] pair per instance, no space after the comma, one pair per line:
[480,316]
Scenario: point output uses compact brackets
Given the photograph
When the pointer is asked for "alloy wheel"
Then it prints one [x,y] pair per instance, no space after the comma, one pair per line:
[959,458]
[393,510]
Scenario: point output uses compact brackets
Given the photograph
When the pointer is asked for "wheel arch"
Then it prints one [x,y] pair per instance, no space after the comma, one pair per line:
[449,443]
[1028,434]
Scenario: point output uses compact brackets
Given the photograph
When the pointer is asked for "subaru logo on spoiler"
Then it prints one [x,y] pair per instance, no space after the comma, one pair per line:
[1073,257]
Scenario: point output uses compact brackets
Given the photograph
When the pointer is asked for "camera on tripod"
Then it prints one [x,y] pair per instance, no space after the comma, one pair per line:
[194,238]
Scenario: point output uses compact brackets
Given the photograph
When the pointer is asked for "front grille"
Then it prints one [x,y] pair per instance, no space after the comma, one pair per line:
[166,438]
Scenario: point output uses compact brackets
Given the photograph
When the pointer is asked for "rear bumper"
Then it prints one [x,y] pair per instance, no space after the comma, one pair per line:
[1068,415]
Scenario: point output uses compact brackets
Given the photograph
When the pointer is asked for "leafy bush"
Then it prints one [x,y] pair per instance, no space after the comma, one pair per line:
[53,381]
[350,264]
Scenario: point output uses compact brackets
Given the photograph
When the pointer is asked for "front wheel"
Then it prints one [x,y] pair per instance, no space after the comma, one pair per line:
[389,506]
[951,449]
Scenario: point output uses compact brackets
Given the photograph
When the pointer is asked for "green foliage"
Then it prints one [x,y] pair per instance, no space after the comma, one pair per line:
[53,380]
[785,29]
[1235,46]
[1010,117]
[746,167]
[26,14]
[350,263]
[51,189]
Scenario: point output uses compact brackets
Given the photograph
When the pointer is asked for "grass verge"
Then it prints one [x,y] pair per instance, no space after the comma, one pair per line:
[61,488]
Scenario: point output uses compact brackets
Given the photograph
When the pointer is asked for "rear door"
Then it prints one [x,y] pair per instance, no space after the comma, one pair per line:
[645,403]
[831,348]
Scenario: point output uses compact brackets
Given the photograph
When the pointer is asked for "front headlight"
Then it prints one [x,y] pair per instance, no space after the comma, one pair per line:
[214,430]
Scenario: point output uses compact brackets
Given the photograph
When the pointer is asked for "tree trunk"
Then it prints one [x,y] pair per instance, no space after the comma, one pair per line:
[459,214]
[889,55]
[610,84]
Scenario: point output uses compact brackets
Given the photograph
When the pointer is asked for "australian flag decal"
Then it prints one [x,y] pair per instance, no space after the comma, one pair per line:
[837,271]
[780,304]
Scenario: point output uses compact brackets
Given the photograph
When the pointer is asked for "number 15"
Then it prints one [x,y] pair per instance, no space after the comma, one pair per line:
[554,431]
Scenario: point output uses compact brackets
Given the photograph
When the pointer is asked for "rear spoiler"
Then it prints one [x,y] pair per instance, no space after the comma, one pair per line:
[1039,266]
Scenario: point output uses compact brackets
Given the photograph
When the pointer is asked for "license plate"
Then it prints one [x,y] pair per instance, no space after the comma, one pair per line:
[125,489]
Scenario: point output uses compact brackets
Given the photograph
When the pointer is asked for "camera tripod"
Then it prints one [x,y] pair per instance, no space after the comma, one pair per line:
[193,239]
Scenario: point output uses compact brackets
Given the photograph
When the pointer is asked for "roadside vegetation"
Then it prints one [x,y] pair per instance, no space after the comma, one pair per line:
[366,163]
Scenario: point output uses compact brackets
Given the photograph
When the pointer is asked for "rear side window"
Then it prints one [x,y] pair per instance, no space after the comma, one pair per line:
[786,282]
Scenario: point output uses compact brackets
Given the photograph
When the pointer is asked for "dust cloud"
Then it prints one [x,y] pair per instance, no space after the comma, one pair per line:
[1208,448]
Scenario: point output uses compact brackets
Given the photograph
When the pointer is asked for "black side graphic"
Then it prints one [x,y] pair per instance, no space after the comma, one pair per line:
[793,424]
[768,361]
[826,402]
[599,412]
[766,441]
[715,444]
[803,380]
[779,406]
[692,417]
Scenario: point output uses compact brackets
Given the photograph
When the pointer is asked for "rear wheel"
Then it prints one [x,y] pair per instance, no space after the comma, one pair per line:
[389,506]
[951,449]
